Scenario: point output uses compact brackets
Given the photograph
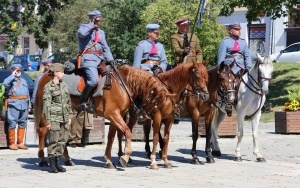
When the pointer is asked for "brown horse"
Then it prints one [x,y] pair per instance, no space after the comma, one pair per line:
[221,90]
[176,80]
[113,105]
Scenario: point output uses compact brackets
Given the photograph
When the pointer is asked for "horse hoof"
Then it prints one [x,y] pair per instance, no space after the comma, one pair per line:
[168,166]
[110,166]
[123,162]
[261,159]
[210,160]
[238,159]
[69,162]
[197,162]
[153,167]
[43,164]
[216,153]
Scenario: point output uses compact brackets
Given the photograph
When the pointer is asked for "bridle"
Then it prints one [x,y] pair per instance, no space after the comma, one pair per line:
[196,89]
[224,92]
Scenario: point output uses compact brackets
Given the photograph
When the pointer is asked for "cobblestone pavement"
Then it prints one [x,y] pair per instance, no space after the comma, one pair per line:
[282,169]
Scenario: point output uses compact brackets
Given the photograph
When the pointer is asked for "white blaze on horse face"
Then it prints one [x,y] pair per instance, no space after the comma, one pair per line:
[266,71]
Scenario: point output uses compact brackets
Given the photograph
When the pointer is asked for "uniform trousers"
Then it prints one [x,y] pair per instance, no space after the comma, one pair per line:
[58,137]
[16,117]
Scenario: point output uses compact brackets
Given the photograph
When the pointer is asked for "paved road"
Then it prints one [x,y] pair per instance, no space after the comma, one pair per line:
[282,169]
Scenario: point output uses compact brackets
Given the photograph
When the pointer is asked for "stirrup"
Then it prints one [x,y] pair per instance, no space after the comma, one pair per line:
[86,107]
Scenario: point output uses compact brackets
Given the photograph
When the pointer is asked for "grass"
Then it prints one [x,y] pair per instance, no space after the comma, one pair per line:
[286,76]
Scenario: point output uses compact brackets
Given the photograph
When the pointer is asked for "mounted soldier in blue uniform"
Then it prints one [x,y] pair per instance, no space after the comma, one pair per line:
[150,54]
[94,50]
[235,49]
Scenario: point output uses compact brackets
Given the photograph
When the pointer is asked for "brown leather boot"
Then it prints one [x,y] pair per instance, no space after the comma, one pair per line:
[11,139]
[21,133]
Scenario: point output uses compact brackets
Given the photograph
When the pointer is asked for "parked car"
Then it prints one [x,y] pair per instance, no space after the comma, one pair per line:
[60,57]
[29,62]
[289,54]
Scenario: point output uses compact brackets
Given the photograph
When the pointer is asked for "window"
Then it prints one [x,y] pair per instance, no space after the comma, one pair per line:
[293,48]
[26,45]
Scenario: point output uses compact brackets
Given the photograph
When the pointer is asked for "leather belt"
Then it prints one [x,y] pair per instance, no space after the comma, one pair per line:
[150,62]
[20,97]
[235,56]
[93,52]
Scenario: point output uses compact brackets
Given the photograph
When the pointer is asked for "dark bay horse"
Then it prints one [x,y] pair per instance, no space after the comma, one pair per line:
[221,91]
[176,80]
[113,105]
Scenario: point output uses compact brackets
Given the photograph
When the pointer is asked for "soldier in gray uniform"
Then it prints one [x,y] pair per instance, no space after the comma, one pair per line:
[150,54]
[18,106]
[95,50]
[234,48]
[46,64]
[57,112]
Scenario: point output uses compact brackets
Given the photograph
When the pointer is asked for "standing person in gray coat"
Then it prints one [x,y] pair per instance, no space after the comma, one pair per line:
[95,50]
[18,105]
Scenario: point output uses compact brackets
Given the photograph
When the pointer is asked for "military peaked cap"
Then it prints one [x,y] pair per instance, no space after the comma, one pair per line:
[57,67]
[46,61]
[234,25]
[152,27]
[16,66]
[94,13]
[182,21]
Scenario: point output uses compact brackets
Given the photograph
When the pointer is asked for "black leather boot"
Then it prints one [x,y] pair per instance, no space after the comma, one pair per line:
[58,166]
[52,166]
[85,95]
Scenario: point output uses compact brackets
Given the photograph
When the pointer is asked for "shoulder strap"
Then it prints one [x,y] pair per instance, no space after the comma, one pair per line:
[14,89]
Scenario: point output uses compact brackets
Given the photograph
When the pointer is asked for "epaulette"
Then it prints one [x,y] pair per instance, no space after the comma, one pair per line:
[141,42]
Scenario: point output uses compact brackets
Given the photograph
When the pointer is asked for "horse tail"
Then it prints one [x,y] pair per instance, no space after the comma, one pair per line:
[39,120]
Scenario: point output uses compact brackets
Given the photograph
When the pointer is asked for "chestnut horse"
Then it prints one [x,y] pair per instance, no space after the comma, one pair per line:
[113,105]
[176,80]
[221,91]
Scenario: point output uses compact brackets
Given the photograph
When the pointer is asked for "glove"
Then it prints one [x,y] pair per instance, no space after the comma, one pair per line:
[186,50]
[156,70]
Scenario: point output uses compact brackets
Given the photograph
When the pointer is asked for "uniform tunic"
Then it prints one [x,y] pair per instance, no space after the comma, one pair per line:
[142,53]
[225,50]
[17,112]
[86,36]
[177,41]
[57,112]
[36,83]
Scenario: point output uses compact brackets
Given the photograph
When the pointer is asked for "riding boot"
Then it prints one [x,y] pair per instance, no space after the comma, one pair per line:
[52,166]
[85,95]
[11,139]
[21,133]
[58,166]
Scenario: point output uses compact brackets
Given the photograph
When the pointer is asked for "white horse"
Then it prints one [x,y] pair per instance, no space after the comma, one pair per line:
[250,99]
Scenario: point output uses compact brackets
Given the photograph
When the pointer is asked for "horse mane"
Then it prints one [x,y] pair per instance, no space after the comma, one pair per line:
[139,82]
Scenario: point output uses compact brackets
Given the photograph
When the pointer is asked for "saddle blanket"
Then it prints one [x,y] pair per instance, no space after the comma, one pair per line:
[72,82]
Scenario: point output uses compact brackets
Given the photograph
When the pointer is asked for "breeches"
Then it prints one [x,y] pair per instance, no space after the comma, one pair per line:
[16,117]
[91,75]
[58,137]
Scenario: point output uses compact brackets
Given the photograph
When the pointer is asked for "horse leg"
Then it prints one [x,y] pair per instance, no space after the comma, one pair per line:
[195,135]
[217,119]
[42,131]
[240,135]
[168,126]
[156,127]
[120,136]
[68,160]
[161,144]
[255,122]
[110,139]
[147,129]
[208,120]
[128,150]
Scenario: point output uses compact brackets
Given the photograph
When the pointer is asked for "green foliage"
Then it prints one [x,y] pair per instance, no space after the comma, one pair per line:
[294,94]
[271,8]
[166,12]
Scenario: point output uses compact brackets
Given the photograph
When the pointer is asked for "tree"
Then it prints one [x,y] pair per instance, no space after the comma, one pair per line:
[31,16]
[166,12]
[271,8]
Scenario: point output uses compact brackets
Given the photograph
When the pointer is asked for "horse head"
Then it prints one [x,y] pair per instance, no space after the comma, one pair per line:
[199,80]
[226,79]
[262,72]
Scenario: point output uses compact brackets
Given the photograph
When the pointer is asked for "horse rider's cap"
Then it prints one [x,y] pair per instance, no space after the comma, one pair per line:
[57,67]
[94,13]
[16,66]
[152,27]
[46,61]
[182,21]
[235,25]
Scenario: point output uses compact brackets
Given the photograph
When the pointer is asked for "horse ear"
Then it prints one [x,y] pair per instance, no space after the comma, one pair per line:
[205,63]
[221,66]
[259,57]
